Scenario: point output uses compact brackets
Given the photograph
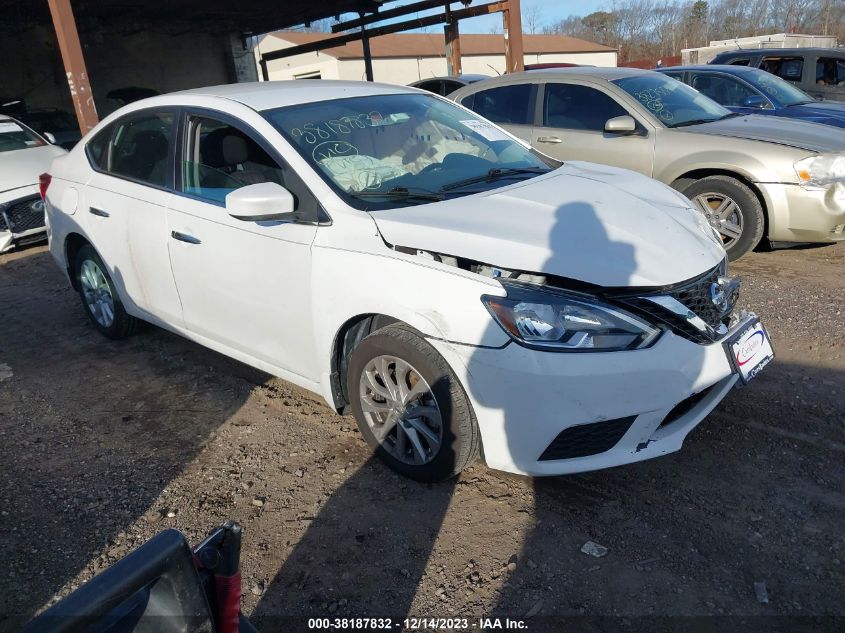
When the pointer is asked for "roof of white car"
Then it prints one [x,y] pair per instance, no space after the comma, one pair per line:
[264,95]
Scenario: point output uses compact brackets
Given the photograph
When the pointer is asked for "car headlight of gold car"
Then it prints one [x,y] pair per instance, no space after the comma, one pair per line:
[821,170]
[567,322]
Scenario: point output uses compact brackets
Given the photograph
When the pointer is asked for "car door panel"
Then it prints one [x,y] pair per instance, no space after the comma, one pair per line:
[571,126]
[245,285]
[126,215]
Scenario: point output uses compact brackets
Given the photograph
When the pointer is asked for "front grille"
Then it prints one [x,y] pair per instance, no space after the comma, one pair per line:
[685,406]
[19,216]
[587,439]
[694,295]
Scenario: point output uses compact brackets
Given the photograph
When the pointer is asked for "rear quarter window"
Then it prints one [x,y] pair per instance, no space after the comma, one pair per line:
[96,148]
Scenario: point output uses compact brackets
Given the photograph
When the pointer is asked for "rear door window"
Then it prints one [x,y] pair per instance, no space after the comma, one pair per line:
[830,71]
[576,107]
[789,68]
[140,149]
[435,86]
[505,104]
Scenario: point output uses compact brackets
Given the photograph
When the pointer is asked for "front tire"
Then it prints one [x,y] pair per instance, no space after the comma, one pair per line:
[732,208]
[99,296]
[409,405]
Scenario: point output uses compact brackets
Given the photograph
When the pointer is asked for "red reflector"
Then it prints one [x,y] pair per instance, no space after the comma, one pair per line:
[44,181]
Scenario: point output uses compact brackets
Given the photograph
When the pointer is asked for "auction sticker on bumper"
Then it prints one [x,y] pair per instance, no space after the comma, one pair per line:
[750,350]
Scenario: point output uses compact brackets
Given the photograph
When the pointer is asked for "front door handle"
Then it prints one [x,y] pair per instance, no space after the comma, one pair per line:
[549,139]
[183,237]
[99,212]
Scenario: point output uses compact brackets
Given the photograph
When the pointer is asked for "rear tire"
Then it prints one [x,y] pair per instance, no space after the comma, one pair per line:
[99,296]
[417,418]
[732,208]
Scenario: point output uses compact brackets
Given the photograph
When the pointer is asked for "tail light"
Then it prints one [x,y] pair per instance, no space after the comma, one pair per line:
[44,181]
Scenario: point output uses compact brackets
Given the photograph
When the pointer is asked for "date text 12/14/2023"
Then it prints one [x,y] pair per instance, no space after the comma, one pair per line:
[418,624]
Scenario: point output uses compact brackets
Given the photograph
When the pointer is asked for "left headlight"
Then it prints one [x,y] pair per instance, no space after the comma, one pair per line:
[821,170]
[559,321]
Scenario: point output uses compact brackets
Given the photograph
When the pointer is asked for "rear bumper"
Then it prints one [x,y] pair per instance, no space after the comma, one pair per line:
[545,413]
[799,214]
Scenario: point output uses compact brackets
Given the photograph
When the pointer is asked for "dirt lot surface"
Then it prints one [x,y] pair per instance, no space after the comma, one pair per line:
[103,444]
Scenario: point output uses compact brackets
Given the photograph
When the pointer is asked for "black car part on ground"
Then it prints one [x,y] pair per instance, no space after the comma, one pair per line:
[161,586]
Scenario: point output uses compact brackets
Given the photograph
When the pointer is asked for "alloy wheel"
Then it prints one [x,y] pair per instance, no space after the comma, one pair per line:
[723,214]
[97,293]
[401,410]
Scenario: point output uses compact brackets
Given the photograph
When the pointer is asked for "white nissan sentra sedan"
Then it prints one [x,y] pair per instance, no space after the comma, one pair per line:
[417,266]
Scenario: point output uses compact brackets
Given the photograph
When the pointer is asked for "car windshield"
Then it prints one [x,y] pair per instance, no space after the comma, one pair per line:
[674,103]
[385,151]
[14,136]
[777,88]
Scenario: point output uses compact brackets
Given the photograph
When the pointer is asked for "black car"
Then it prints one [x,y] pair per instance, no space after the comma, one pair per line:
[820,72]
[446,85]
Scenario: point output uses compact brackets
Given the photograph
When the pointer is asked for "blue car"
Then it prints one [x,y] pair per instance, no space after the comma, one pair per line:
[753,91]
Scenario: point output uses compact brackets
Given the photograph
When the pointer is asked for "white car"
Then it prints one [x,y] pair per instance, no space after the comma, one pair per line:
[24,156]
[457,291]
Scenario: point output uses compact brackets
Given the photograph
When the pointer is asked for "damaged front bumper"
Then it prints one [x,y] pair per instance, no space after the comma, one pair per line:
[543,413]
[21,222]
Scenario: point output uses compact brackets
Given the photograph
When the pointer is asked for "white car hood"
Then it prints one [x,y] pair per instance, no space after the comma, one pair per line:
[596,224]
[22,167]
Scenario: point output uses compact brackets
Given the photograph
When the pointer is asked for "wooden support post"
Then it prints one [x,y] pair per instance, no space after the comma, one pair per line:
[453,43]
[453,47]
[74,62]
[514,51]
[368,56]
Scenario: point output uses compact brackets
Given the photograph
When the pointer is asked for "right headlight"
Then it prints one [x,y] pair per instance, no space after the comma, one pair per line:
[559,321]
[821,170]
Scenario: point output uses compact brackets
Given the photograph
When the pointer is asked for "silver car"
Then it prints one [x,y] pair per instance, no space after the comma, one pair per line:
[753,177]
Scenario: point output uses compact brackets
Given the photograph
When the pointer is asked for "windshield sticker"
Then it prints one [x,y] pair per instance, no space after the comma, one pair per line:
[652,98]
[486,130]
[7,127]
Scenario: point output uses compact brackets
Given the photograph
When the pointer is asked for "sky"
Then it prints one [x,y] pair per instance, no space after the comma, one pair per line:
[548,12]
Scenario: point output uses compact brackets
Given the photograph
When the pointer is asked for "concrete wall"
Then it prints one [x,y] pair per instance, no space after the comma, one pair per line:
[405,70]
[32,67]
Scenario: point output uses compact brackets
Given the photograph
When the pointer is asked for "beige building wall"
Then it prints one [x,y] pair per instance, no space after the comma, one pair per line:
[405,70]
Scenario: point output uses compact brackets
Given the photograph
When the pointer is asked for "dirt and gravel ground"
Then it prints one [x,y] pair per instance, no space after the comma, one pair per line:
[103,444]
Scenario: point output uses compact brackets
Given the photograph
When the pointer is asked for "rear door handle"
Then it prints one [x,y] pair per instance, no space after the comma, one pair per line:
[549,139]
[183,237]
[100,212]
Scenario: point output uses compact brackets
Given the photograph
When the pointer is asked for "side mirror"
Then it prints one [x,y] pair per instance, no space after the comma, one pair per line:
[621,125]
[261,202]
[49,136]
[754,101]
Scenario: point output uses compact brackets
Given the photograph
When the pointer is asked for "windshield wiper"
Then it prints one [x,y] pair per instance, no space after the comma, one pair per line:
[401,192]
[694,122]
[494,174]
